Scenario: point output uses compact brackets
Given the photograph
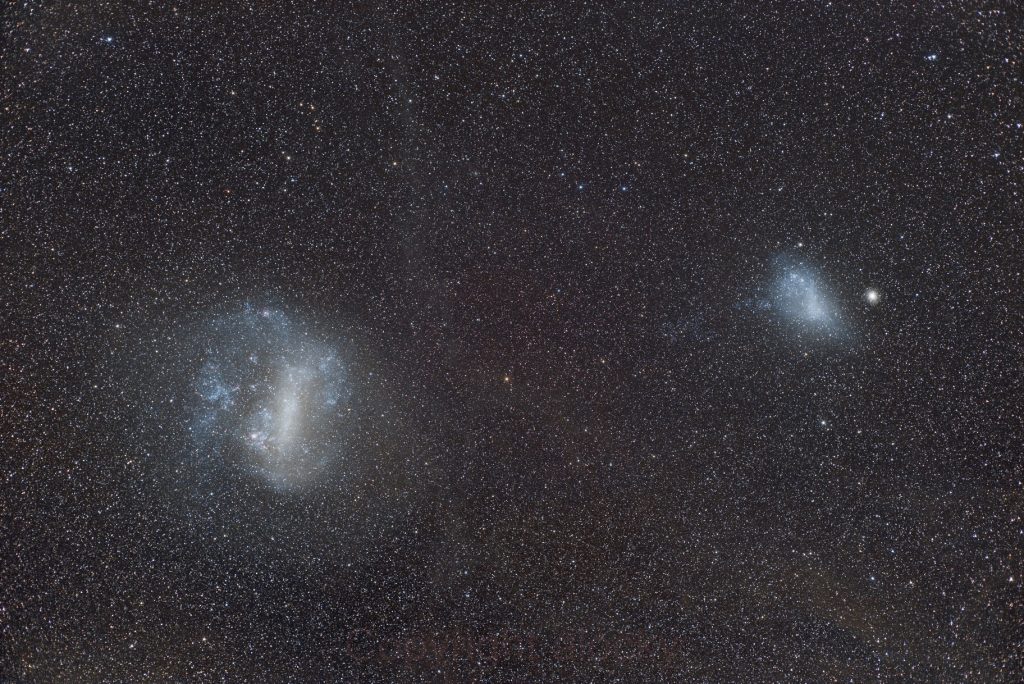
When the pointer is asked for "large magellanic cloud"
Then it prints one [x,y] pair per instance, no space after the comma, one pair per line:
[269,399]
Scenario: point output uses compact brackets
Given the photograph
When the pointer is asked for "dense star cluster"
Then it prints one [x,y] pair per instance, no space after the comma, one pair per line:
[555,341]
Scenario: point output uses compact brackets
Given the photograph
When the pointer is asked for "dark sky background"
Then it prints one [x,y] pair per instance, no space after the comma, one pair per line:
[679,342]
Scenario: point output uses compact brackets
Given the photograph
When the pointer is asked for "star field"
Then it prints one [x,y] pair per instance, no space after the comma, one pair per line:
[648,341]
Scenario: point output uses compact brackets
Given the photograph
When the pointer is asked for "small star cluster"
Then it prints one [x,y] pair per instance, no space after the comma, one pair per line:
[572,341]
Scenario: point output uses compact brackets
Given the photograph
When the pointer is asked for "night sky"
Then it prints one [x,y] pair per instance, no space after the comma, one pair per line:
[639,341]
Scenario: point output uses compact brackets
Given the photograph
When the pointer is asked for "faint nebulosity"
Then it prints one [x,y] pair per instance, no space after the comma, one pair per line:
[575,341]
